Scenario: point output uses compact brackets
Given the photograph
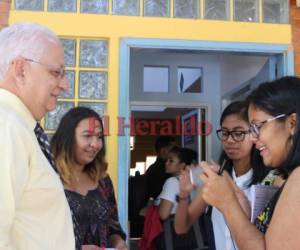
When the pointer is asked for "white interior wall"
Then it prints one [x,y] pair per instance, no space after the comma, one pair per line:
[211,82]
[221,73]
[173,60]
[237,69]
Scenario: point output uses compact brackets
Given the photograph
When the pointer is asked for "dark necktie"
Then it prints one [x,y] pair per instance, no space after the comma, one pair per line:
[44,144]
[45,147]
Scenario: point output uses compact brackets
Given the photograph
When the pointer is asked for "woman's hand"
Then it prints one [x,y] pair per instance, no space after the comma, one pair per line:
[185,185]
[90,247]
[217,191]
[243,200]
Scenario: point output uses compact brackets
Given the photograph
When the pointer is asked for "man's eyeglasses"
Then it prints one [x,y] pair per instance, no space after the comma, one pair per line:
[236,135]
[255,128]
[57,73]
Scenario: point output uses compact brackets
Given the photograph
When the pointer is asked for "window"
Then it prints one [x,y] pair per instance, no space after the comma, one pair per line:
[62,5]
[276,11]
[36,5]
[217,9]
[86,67]
[94,6]
[159,8]
[189,80]
[246,10]
[126,7]
[186,8]
[156,79]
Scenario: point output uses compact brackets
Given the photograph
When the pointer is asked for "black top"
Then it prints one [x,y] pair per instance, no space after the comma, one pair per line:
[96,214]
[264,218]
[155,178]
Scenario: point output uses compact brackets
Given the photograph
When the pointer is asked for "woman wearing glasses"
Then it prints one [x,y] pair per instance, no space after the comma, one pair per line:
[274,113]
[243,164]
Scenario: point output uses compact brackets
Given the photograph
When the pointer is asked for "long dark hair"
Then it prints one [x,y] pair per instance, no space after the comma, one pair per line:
[240,108]
[281,96]
[63,142]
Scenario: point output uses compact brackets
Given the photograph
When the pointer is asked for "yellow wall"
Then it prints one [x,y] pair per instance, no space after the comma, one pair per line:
[109,26]
[115,27]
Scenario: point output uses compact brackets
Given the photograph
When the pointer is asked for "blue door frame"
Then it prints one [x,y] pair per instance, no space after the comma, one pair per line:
[282,53]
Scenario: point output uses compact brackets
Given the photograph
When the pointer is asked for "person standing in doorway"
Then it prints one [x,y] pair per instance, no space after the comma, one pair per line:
[156,174]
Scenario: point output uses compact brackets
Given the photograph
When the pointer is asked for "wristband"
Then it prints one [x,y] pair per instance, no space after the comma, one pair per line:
[179,198]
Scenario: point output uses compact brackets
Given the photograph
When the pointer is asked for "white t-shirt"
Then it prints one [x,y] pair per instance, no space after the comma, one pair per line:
[223,239]
[169,192]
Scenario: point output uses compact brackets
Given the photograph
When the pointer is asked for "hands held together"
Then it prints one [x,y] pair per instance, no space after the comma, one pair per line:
[218,191]
[221,191]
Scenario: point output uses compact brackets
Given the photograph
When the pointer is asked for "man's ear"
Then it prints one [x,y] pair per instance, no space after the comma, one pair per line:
[291,123]
[18,69]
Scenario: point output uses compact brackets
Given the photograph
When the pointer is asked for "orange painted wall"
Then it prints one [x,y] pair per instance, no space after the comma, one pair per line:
[4,12]
[295,22]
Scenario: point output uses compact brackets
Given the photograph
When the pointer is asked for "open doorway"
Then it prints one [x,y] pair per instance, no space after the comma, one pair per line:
[181,93]
[186,124]
[225,68]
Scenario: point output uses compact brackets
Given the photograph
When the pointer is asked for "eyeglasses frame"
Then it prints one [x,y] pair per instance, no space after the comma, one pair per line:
[61,72]
[230,134]
[254,129]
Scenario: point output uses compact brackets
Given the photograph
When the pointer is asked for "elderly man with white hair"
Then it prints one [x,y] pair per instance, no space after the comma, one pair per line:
[34,212]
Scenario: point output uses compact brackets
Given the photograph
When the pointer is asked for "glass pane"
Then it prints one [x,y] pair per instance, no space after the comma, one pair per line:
[126,7]
[53,118]
[94,6]
[92,85]
[71,79]
[98,107]
[49,135]
[156,79]
[70,51]
[276,11]
[156,8]
[93,53]
[186,8]
[29,4]
[189,80]
[62,5]
[246,10]
[217,9]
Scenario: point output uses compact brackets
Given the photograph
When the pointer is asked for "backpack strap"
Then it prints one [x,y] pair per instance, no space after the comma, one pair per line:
[198,235]
[197,231]
[209,228]
[168,234]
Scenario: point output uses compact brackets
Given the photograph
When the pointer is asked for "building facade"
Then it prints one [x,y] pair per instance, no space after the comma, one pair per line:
[110,44]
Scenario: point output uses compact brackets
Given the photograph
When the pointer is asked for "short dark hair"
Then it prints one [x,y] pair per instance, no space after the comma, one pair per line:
[240,108]
[162,142]
[63,142]
[185,155]
[281,96]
